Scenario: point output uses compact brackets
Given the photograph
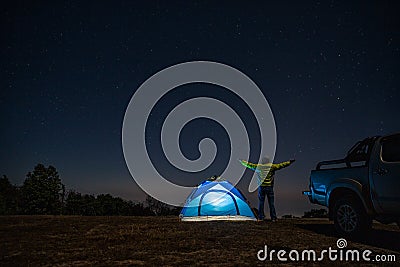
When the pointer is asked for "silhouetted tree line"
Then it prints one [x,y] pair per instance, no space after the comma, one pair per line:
[43,193]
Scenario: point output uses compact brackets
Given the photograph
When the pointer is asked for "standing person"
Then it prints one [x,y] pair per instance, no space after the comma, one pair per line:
[266,172]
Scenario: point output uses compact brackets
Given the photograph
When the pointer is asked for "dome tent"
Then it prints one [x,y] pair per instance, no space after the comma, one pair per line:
[216,200]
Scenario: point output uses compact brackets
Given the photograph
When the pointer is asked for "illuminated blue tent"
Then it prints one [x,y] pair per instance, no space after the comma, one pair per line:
[216,200]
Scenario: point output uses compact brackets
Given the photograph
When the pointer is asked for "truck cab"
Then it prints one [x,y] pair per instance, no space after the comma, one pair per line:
[363,186]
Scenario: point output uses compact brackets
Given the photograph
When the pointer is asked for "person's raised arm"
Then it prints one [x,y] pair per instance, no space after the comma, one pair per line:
[283,164]
[249,165]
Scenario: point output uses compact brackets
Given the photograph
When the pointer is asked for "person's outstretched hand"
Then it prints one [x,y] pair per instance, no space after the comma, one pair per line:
[292,160]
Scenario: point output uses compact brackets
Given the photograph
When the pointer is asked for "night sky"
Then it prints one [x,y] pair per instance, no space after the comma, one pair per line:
[329,70]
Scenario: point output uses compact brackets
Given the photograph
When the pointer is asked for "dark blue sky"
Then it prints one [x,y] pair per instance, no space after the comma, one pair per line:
[330,71]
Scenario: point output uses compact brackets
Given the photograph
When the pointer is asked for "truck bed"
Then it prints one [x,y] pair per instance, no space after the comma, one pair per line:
[324,180]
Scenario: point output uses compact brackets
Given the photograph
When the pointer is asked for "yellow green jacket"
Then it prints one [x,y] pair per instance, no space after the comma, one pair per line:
[265,172]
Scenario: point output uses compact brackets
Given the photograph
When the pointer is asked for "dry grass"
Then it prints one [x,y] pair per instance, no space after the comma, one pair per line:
[164,241]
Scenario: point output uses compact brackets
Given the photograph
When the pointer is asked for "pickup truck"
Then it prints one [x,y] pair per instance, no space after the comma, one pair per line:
[363,186]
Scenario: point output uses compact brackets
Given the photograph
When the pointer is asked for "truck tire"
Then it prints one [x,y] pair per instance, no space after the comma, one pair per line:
[350,217]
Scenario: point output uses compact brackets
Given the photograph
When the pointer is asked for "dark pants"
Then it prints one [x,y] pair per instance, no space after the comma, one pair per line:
[269,192]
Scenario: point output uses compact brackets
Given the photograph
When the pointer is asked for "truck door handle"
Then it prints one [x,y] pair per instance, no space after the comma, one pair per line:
[381,171]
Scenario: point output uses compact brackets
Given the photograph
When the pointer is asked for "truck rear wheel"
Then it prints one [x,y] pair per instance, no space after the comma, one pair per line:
[350,218]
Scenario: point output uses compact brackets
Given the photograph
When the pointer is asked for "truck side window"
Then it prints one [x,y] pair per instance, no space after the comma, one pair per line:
[391,149]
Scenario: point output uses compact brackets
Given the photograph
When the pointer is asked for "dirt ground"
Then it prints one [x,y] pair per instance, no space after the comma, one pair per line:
[165,241]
